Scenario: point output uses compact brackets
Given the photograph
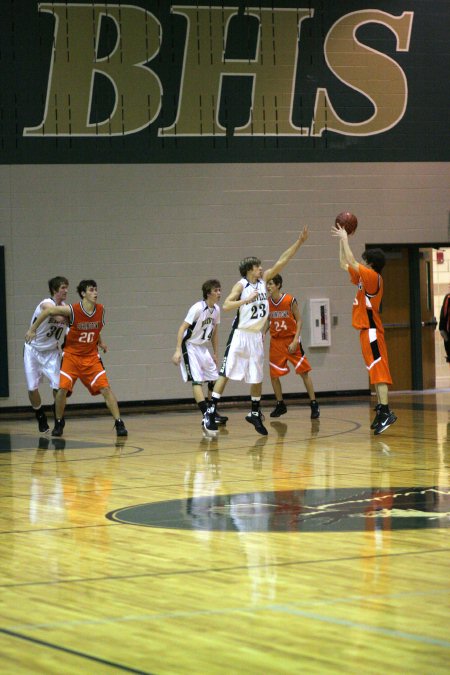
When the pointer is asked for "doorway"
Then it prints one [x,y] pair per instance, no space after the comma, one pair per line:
[410,314]
[441,274]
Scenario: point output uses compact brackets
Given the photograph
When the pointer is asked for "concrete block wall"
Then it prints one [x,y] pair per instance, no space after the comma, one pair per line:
[151,234]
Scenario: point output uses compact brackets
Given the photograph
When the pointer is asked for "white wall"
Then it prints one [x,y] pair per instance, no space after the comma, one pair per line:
[151,234]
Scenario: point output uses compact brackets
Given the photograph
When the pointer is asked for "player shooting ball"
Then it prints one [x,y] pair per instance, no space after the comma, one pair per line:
[366,318]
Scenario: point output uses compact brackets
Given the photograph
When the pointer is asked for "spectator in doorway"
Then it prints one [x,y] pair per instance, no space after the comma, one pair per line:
[444,325]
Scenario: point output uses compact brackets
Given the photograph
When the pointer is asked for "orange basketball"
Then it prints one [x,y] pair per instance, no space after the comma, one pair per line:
[348,221]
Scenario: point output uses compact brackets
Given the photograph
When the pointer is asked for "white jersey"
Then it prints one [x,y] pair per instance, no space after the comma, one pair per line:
[50,333]
[202,321]
[252,317]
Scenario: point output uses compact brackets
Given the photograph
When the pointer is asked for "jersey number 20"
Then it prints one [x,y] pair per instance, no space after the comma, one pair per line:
[86,337]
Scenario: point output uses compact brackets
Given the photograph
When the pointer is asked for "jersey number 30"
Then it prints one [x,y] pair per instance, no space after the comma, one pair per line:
[55,332]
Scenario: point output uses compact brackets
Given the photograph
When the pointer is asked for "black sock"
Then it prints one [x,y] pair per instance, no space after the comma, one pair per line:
[255,405]
[203,406]
[384,409]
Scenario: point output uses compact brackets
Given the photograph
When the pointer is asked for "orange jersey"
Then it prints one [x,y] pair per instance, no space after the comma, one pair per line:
[84,330]
[366,305]
[282,319]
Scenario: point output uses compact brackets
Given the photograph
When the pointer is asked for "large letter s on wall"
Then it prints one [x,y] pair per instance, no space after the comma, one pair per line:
[373,74]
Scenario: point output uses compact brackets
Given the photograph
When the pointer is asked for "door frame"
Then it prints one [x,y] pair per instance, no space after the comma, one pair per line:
[414,300]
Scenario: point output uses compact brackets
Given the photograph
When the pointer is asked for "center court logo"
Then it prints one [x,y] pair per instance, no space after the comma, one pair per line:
[333,510]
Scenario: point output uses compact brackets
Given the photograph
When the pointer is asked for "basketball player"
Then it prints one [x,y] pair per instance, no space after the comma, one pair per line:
[80,353]
[244,353]
[366,318]
[444,325]
[43,357]
[285,345]
[198,330]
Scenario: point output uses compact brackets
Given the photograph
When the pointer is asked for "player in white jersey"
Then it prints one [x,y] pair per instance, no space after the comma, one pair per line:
[244,353]
[198,330]
[43,356]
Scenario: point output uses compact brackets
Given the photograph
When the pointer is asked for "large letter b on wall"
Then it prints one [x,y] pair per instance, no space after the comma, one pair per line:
[76,62]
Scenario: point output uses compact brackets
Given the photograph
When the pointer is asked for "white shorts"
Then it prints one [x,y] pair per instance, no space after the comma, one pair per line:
[244,357]
[39,364]
[197,364]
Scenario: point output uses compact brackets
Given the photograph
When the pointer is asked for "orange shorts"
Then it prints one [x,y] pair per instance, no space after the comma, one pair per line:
[375,356]
[279,358]
[88,369]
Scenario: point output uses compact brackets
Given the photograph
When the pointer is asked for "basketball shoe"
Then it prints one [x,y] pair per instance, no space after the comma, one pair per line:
[120,428]
[377,415]
[209,423]
[257,419]
[220,419]
[280,409]
[385,420]
[58,429]
[42,421]
[315,410]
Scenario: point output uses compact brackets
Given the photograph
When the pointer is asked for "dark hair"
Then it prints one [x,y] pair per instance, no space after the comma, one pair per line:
[208,287]
[84,285]
[277,280]
[247,264]
[55,284]
[375,258]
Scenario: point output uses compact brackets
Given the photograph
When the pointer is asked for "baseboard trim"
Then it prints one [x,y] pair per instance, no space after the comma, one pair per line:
[179,404]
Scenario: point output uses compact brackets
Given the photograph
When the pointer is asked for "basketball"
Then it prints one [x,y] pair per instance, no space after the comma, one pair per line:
[348,221]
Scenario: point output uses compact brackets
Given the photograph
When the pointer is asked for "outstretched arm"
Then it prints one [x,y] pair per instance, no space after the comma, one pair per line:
[287,255]
[342,259]
[346,257]
[59,310]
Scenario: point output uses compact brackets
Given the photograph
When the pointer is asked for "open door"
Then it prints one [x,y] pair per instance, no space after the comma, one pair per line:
[428,318]
[396,317]
[408,316]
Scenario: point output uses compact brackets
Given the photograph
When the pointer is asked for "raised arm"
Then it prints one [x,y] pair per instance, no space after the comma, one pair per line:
[346,257]
[59,310]
[287,255]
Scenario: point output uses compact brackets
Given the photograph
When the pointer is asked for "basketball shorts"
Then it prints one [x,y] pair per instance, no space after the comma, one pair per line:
[197,364]
[374,351]
[244,357]
[88,369]
[40,364]
[279,357]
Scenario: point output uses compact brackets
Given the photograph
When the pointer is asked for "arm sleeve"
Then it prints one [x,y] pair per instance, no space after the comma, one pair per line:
[354,276]
[193,314]
[370,279]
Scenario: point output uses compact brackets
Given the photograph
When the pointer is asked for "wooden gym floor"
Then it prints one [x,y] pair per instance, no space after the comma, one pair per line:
[318,549]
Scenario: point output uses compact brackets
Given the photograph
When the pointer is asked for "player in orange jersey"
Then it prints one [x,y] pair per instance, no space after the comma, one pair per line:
[285,345]
[366,318]
[81,358]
